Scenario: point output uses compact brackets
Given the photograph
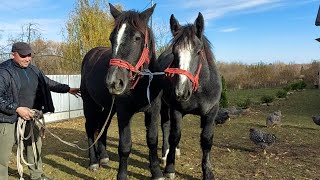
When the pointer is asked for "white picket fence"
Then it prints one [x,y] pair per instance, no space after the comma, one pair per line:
[66,105]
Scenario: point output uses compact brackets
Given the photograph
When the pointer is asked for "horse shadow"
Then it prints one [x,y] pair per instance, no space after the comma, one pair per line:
[52,146]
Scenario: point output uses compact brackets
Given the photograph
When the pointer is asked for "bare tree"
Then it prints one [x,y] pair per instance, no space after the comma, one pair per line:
[162,36]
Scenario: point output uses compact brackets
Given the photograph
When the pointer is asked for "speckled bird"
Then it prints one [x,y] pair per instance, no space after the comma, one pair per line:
[262,139]
[316,120]
[274,119]
[221,117]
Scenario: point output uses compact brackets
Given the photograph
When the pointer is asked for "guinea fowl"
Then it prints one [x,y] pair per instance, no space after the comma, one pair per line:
[221,117]
[262,139]
[274,119]
[316,120]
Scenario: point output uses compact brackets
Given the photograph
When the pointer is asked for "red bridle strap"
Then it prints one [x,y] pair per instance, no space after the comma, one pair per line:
[144,58]
[194,79]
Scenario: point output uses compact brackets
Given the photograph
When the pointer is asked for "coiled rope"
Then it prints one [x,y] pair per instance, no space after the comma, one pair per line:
[20,132]
[37,116]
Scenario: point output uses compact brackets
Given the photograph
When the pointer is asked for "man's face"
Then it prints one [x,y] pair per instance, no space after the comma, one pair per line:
[22,60]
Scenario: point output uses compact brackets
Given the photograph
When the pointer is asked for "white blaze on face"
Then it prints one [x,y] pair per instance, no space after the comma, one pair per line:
[120,36]
[185,60]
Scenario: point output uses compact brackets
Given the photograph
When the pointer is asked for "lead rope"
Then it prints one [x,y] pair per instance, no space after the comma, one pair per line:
[21,124]
[20,132]
[73,144]
[147,72]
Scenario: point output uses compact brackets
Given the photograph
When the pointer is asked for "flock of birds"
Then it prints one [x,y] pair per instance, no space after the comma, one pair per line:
[262,139]
[266,140]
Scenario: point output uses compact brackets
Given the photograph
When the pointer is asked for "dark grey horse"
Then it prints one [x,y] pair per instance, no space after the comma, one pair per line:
[125,72]
[192,86]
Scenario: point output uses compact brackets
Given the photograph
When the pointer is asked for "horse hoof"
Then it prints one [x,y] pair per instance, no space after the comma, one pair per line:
[104,161]
[170,175]
[94,167]
[209,176]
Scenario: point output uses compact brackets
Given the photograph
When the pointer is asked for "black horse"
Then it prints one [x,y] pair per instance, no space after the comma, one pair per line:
[125,72]
[193,86]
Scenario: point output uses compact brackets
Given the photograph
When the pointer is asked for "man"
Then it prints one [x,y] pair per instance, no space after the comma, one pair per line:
[24,87]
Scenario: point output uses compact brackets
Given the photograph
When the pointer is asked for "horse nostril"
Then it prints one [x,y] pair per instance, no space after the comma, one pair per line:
[178,94]
[119,84]
[189,93]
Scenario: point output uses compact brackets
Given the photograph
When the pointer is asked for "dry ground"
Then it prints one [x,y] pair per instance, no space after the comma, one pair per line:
[294,156]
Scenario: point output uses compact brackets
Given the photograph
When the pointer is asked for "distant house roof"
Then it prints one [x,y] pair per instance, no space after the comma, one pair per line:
[318,18]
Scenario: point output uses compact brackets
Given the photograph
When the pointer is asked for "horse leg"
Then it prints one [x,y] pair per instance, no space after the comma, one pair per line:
[206,141]
[165,127]
[102,142]
[125,144]
[101,149]
[93,158]
[151,122]
[92,115]
[174,138]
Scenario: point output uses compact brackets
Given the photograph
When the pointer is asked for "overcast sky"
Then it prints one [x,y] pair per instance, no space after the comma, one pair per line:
[246,31]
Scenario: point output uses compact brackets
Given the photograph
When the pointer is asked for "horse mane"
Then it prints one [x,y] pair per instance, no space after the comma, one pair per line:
[133,18]
[188,32]
[207,49]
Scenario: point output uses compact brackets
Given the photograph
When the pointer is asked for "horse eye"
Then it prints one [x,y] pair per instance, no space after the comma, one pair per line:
[137,38]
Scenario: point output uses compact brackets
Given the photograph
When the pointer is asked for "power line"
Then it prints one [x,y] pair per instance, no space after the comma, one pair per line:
[151,15]
[147,5]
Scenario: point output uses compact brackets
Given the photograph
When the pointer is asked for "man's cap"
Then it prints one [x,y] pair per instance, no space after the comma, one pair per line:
[21,48]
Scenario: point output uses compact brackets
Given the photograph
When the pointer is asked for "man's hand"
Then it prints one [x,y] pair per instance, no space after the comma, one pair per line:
[25,113]
[75,92]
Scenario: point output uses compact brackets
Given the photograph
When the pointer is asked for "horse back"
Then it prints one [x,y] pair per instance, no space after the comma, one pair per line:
[93,72]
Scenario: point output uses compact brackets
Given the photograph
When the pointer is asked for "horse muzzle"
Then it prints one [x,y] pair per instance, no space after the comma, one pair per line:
[116,81]
[183,92]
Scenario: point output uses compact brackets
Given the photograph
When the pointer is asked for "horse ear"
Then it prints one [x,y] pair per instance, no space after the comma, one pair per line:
[114,11]
[174,25]
[147,13]
[199,25]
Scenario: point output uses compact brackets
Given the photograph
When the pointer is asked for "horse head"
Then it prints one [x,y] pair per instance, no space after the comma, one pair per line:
[188,54]
[131,40]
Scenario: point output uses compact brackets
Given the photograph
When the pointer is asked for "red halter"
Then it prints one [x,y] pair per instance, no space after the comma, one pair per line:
[144,58]
[194,79]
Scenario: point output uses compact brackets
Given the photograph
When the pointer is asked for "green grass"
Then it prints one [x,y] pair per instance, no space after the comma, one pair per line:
[294,156]
[237,96]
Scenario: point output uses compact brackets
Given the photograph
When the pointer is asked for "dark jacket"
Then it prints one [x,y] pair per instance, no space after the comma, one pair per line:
[10,87]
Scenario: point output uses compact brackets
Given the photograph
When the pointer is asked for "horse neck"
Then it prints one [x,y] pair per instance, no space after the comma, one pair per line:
[209,67]
[153,66]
